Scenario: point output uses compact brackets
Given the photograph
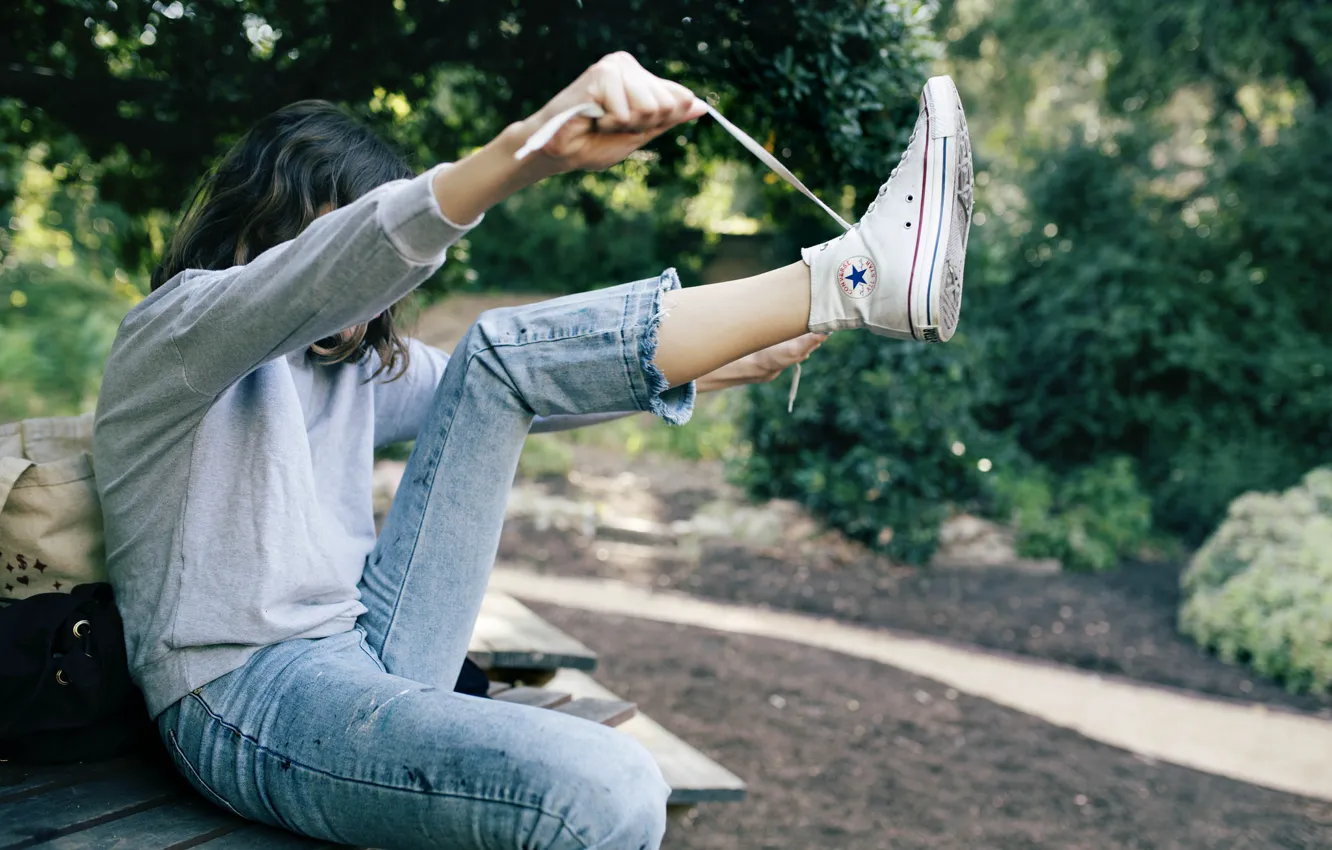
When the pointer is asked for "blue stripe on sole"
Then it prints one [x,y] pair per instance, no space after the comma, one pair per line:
[943,193]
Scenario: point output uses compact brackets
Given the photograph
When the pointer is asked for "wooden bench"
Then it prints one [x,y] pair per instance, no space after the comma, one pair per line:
[508,631]
[139,803]
[134,802]
[511,642]
[694,778]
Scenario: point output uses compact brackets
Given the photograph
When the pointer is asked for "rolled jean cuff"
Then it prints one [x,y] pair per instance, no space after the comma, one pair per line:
[651,390]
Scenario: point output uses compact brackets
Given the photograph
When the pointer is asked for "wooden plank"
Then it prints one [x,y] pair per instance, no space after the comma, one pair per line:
[535,697]
[510,635]
[259,837]
[497,688]
[607,712]
[693,777]
[69,808]
[159,828]
[21,780]
[24,780]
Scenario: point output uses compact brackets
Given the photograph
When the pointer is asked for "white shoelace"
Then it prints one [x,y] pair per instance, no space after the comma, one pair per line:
[547,131]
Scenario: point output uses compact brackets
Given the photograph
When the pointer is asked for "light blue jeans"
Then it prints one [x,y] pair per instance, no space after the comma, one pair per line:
[358,738]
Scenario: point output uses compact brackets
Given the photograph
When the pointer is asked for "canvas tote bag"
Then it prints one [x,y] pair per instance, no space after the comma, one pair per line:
[63,673]
[50,517]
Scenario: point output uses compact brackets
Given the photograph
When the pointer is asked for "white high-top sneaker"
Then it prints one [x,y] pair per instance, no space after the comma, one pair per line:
[898,271]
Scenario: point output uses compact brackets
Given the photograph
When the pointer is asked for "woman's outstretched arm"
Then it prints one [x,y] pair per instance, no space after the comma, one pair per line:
[356,261]
[639,107]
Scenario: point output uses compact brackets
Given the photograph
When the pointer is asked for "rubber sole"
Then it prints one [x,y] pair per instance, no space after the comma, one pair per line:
[936,296]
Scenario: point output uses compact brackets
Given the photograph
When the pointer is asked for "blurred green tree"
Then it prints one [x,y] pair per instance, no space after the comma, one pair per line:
[162,87]
[122,104]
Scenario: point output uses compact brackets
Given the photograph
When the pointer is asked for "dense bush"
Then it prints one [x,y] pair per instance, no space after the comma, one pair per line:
[1186,336]
[1260,589]
[1089,519]
[884,443]
[882,439]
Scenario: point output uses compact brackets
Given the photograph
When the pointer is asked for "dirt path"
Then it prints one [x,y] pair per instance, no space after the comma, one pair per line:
[665,522]
[1279,750]
[846,754]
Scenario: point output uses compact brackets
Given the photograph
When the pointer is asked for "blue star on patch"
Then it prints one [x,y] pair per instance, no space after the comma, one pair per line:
[857,277]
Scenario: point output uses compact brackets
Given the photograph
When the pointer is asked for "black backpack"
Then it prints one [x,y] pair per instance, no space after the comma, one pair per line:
[65,689]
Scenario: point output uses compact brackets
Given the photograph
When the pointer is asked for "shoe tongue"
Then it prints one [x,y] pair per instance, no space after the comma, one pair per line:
[547,131]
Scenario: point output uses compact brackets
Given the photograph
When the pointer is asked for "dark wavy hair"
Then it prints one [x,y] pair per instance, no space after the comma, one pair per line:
[290,167]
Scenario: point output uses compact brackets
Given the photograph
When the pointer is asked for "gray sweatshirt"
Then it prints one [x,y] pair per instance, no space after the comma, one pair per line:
[235,475]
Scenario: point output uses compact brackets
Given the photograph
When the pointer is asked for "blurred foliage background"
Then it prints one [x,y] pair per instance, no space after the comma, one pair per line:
[1146,333]
[111,109]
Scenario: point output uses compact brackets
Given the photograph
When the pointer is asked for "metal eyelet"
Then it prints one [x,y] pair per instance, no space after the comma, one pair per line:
[907,225]
[60,677]
[910,198]
[82,624]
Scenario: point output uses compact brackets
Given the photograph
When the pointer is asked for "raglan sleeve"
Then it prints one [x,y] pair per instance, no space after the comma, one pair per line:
[346,267]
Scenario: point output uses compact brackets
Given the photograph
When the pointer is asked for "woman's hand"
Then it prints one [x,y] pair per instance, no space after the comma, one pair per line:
[762,366]
[639,107]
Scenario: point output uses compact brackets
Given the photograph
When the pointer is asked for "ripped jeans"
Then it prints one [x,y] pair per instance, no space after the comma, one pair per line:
[359,738]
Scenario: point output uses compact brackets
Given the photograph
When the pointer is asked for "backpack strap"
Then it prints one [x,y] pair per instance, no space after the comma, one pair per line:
[11,468]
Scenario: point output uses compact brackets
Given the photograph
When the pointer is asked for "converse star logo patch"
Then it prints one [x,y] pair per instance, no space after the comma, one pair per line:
[858,277]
